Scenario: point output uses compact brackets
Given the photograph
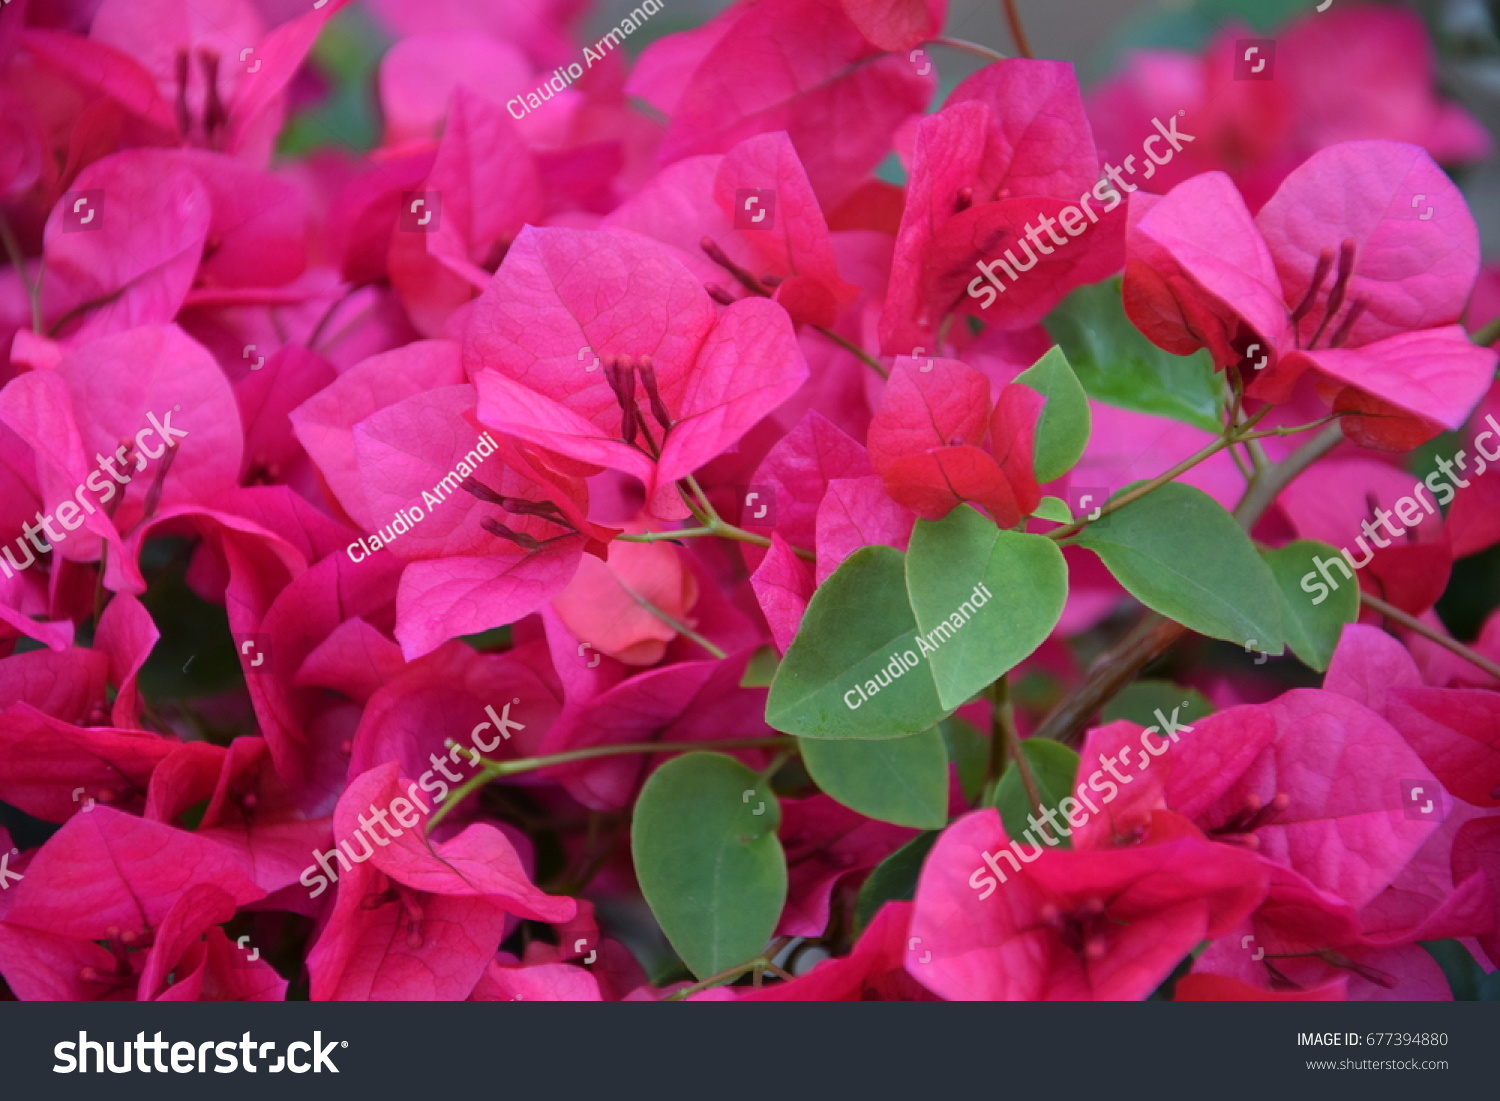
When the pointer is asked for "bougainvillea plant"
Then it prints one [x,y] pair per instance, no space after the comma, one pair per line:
[760,520]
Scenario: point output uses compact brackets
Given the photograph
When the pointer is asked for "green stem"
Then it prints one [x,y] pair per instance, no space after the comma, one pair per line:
[715,527]
[671,621]
[969,47]
[457,796]
[1488,334]
[729,974]
[1160,480]
[854,350]
[665,536]
[1292,430]
[774,767]
[496,769]
[1004,722]
[704,503]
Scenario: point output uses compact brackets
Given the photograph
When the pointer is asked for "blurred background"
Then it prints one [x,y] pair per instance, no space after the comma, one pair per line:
[1097,36]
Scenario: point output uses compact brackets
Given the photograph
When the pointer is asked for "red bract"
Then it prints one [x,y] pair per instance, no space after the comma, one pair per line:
[483,187]
[418,921]
[757,227]
[834,91]
[925,441]
[991,173]
[1364,294]
[148,892]
[606,349]
[1096,925]
[478,505]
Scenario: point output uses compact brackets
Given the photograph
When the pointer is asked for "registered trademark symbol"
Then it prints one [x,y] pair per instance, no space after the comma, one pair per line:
[344,1043]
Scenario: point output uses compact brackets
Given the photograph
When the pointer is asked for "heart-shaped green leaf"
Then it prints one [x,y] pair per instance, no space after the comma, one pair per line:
[1178,552]
[1054,767]
[895,877]
[1312,626]
[853,671]
[984,599]
[1117,365]
[900,780]
[1053,508]
[1062,431]
[708,860]
[1140,700]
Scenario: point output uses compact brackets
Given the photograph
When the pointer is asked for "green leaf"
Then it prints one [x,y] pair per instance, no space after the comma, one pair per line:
[1053,508]
[1005,589]
[1262,15]
[856,624]
[1312,629]
[1055,767]
[1489,990]
[1062,431]
[1178,552]
[900,780]
[1139,701]
[710,866]
[969,751]
[1465,976]
[761,668]
[895,877]
[1117,365]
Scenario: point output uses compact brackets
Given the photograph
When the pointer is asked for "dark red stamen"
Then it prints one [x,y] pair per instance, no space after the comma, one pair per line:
[625,368]
[1340,286]
[1320,273]
[519,538]
[743,276]
[184,120]
[1347,326]
[653,395]
[214,115]
[153,495]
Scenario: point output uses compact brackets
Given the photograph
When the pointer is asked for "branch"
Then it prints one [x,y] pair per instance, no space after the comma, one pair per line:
[494,770]
[870,361]
[1432,634]
[969,47]
[1017,32]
